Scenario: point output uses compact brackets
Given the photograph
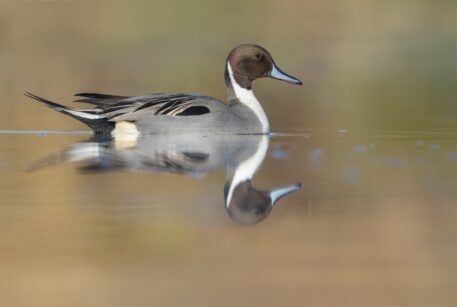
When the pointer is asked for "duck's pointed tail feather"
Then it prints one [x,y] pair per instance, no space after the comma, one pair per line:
[91,118]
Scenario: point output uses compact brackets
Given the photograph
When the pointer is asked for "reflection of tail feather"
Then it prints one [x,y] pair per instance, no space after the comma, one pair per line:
[45,162]
[76,153]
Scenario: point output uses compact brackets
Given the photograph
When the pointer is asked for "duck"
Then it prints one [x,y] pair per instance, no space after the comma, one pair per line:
[172,113]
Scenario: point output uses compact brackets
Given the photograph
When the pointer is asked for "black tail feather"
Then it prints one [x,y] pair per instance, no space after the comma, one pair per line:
[99,125]
[53,105]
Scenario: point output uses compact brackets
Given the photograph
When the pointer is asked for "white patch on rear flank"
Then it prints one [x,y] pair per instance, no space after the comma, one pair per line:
[125,135]
[248,98]
[125,128]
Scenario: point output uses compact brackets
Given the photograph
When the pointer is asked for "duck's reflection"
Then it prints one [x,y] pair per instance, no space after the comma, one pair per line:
[192,155]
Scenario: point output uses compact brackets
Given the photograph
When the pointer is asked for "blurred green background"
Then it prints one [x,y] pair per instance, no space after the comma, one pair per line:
[365,64]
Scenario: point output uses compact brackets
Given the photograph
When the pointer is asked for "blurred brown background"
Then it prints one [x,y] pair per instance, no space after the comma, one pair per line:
[381,64]
[374,224]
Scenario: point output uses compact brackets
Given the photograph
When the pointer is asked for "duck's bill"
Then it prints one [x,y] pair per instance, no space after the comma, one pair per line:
[277,73]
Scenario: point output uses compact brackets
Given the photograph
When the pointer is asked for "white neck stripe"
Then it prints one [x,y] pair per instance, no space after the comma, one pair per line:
[247,98]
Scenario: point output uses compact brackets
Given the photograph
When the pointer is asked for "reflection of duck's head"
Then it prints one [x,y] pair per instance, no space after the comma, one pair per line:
[244,203]
[247,205]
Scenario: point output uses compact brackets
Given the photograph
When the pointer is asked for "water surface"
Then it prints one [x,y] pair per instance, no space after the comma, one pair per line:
[101,223]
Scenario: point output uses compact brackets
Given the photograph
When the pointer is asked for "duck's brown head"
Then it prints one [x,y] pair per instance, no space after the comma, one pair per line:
[248,62]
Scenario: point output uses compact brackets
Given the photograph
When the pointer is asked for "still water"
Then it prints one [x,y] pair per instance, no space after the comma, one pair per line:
[326,218]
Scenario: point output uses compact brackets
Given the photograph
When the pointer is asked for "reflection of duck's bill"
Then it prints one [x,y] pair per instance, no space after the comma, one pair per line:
[277,193]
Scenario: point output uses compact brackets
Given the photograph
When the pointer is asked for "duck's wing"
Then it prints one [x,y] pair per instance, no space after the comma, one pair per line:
[133,108]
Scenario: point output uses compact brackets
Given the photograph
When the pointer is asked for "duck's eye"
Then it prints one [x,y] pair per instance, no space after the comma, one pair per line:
[258,56]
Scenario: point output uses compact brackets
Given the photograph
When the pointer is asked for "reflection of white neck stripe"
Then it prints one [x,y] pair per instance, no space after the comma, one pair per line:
[247,98]
[246,169]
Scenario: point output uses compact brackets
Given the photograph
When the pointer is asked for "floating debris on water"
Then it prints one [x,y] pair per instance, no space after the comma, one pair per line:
[352,174]
[279,154]
[395,162]
[452,156]
[359,148]
[317,152]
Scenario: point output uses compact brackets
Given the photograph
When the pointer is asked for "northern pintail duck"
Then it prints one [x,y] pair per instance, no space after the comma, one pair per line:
[174,113]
